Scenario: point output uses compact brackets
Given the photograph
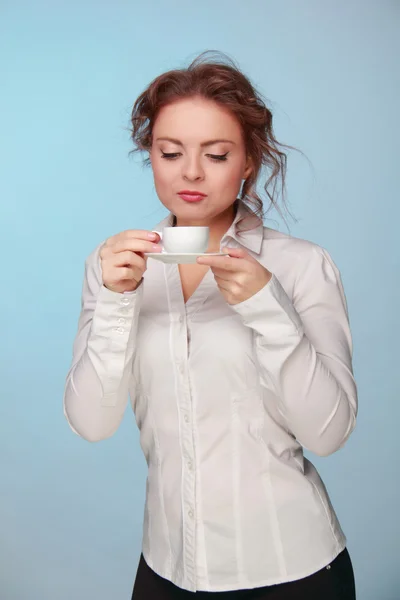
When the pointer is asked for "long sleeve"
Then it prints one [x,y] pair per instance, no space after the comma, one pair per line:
[96,389]
[304,349]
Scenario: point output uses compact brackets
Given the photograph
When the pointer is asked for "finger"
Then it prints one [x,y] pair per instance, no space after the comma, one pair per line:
[139,234]
[223,274]
[129,259]
[219,262]
[223,284]
[236,252]
[129,276]
[132,244]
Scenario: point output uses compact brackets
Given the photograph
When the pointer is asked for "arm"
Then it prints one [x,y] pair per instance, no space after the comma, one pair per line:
[96,390]
[304,351]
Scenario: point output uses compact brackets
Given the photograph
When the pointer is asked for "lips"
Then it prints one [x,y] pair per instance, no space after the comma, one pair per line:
[191,196]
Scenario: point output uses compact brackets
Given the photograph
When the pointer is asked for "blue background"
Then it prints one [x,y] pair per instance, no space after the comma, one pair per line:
[71,511]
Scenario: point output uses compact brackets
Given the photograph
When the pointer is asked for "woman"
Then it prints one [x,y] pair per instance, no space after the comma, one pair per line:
[233,364]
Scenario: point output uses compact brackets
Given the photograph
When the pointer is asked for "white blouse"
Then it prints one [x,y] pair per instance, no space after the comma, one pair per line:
[225,397]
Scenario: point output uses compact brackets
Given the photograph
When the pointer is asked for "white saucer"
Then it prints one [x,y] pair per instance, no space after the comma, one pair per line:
[172,258]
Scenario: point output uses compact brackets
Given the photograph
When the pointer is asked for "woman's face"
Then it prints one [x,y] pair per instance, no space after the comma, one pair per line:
[198,146]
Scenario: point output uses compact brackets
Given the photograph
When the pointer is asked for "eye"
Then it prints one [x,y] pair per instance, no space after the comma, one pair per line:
[218,157]
[169,156]
[174,155]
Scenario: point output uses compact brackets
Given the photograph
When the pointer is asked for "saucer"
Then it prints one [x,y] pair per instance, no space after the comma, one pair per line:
[187,258]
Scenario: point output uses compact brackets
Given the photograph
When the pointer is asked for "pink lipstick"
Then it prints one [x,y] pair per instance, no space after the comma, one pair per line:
[191,195]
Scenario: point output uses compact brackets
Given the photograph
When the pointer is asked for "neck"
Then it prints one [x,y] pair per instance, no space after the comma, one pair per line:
[218,226]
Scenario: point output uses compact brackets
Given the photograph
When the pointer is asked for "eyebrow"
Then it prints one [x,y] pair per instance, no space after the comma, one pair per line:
[203,145]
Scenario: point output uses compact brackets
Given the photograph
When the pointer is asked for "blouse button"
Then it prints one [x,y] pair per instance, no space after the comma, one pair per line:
[125,301]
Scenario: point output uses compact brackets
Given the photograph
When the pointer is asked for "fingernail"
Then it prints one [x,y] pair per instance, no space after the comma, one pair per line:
[151,236]
[157,248]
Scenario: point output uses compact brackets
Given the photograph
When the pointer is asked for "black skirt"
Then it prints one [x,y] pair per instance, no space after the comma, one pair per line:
[333,582]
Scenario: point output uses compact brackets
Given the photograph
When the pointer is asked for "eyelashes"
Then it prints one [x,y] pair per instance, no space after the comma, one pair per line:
[213,157]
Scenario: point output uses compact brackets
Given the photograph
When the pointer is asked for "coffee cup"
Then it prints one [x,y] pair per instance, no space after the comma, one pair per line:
[184,240]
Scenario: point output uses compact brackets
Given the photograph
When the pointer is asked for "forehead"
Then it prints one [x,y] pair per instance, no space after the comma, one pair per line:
[196,119]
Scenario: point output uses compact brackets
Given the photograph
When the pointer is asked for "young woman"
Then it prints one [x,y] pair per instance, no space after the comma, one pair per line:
[233,364]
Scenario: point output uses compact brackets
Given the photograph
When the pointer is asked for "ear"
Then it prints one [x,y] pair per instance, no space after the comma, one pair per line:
[248,168]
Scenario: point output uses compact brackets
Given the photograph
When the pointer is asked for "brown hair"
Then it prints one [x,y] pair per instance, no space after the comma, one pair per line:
[224,83]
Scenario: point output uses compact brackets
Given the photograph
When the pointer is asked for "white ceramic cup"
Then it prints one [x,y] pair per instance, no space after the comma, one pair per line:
[184,240]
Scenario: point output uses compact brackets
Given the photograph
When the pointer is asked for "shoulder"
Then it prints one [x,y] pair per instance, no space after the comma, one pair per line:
[285,242]
[303,267]
[288,249]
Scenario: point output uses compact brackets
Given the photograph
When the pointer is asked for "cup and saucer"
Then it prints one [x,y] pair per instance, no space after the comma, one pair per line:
[182,245]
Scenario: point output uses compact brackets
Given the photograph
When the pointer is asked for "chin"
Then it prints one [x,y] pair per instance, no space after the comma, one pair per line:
[184,208]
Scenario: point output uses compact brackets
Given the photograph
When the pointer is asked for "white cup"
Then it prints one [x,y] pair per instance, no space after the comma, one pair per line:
[184,240]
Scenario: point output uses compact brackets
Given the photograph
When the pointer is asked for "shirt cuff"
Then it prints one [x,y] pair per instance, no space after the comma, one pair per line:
[109,347]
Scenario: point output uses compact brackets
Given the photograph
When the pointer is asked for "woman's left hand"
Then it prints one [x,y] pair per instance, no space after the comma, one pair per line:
[239,276]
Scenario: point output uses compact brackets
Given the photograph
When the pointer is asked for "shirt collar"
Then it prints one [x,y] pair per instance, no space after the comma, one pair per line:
[247,228]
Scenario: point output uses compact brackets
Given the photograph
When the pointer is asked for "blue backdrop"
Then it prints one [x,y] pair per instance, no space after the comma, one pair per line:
[71,511]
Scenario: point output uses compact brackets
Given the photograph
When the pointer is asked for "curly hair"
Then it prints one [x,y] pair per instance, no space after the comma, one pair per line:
[222,81]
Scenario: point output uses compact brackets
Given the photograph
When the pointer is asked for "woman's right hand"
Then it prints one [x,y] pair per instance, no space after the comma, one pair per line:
[122,259]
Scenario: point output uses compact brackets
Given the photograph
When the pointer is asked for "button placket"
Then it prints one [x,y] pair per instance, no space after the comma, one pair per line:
[188,494]
[189,487]
[189,491]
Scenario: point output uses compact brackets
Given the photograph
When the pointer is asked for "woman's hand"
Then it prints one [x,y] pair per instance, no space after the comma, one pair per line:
[122,259]
[239,276]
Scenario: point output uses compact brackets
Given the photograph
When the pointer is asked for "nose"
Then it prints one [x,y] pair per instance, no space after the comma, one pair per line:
[192,169]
